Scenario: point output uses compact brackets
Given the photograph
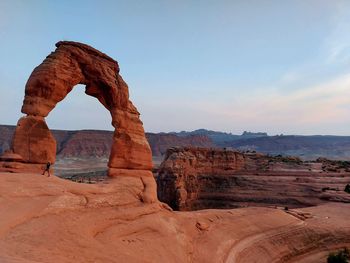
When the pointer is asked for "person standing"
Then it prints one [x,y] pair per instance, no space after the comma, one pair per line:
[47,169]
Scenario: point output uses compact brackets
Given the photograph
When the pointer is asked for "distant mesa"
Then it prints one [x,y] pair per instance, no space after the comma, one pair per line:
[97,143]
[71,64]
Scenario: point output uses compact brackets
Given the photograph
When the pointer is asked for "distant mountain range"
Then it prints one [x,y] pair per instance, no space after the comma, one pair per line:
[220,137]
[97,143]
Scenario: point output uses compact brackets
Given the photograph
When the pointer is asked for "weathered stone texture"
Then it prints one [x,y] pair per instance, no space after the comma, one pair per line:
[70,64]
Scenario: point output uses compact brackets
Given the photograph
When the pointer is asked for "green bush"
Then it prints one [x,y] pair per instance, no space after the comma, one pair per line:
[341,256]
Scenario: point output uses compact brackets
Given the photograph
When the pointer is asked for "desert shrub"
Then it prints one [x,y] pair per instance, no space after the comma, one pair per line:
[341,256]
[347,188]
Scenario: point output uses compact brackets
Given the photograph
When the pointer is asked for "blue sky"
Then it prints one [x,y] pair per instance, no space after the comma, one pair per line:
[274,66]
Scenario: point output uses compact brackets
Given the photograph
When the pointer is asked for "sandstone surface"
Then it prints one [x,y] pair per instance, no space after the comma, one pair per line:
[54,220]
[70,64]
[33,141]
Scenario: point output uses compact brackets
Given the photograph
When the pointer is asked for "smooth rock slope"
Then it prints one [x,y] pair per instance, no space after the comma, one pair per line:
[54,220]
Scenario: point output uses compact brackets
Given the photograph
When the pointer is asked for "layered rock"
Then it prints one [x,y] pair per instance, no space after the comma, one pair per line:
[70,64]
[199,178]
[180,175]
[55,220]
[85,144]
[97,143]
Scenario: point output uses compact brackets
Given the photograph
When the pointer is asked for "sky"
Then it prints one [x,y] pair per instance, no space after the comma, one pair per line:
[281,67]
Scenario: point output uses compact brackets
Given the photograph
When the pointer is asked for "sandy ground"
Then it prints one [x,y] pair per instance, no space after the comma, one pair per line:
[55,220]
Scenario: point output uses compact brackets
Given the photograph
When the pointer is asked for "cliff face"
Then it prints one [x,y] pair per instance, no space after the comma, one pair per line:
[97,143]
[181,178]
[199,178]
[83,143]
[307,147]
[86,144]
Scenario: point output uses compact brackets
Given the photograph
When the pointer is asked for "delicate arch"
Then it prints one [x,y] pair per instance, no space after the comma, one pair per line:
[70,64]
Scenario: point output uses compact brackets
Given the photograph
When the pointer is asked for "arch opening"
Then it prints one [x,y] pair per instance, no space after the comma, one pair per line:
[83,141]
[71,64]
[79,112]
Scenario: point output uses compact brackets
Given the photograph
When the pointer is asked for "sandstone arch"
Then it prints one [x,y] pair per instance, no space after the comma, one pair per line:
[70,64]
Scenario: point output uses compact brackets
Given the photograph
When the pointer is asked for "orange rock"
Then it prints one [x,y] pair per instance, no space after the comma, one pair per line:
[33,141]
[10,156]
[70,64]
[48,219]
[193,178]
[179,177]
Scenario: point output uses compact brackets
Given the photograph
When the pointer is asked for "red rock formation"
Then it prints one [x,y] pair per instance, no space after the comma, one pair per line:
[178,180]
[70,64]
[97,143]
[85,144]
[55,220]
[199,178]
[34,141]
[10,156]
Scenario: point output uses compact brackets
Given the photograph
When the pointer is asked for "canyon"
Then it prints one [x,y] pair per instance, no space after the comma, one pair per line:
[192,178]
[287,209]
[97,143]
[82,156]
